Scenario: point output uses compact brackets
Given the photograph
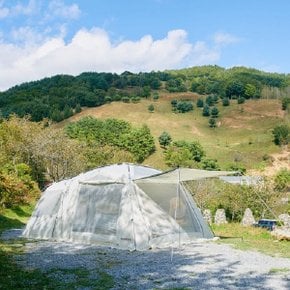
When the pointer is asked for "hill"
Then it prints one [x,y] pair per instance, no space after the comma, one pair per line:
[243,135]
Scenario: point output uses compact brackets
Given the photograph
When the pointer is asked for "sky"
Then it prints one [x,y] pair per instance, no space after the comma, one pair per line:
[42,38]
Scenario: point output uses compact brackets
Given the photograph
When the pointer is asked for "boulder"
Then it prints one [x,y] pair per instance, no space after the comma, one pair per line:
[220,217]
[248,218]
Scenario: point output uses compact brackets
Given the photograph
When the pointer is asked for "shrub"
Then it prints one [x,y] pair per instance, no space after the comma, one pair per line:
[281,134]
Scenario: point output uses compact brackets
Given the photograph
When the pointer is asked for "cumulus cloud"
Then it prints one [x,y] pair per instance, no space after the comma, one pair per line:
[222,38]
[90,50]
[93,50]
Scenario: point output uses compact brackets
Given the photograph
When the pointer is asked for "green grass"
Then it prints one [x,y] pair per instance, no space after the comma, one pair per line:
[252,238]
[15,217]
[244,131]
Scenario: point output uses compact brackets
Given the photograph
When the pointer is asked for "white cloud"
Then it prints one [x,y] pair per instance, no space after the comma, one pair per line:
[93,50]
[20,9]
[202,54]
[90,50]
[222,38]
[57,8]
[4,12]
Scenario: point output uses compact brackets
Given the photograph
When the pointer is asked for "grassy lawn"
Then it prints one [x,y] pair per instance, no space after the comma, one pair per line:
[251,238]
[244,132]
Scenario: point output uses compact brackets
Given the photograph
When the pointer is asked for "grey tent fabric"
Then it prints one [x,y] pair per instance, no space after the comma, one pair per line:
[124,206]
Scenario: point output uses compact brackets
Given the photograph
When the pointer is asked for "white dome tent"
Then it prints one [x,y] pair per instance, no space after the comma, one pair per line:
[123,206]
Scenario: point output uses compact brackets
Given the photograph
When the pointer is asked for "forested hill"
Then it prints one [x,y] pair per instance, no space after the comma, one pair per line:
[61,96]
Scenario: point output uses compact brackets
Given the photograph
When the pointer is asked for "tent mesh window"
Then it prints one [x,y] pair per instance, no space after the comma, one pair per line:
[172,199]
[99,208]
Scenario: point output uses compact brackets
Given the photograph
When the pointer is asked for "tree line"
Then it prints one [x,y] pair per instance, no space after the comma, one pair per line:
[62,96]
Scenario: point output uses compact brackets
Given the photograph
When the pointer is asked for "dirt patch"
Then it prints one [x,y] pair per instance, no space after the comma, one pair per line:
[279,161]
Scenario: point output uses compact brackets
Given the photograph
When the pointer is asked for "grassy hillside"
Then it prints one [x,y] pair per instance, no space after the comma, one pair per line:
[243,135]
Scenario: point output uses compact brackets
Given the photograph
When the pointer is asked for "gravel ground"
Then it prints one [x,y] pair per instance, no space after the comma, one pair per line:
[199,265]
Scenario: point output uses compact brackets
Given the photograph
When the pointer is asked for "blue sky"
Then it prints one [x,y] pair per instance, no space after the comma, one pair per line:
[41,38]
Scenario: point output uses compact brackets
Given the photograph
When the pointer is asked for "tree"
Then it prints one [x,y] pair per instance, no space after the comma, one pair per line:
[164,139]
[235,88]
[214,112]
[241,100]
[206,111]
[282,180]
[184,106]
[250,91]
[139,142]
[183,153]
[199,103]
[155,96]
[285,103]
[212,123]
[209,101]
[78,108]
[146,91]
[210,164]
[151,108]
[281,134]
[226,102]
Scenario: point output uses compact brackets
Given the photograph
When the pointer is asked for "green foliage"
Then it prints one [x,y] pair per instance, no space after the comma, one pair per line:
[250,91]
[213,194]
[17,186]
[285,103]
[184,106]
[282,180]
[212,122]
[206,111]
[182,153]
[209,100]
[199,103]
[209,164]
[125,99]
[164,139]
[281,134]
[214,112]
[174,85]
[155,96]
[48,97]
[226,102]
[235,88]
[113,132]
[241,100]
[151,108]
[146,91]
[78,108]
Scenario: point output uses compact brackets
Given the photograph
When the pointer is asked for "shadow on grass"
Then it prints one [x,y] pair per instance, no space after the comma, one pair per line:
[189,269]
[8,223]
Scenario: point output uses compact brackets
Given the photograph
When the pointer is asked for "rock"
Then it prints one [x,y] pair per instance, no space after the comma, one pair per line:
[248,218]
[281,234]
[220,217]
[207,216]
[285,218]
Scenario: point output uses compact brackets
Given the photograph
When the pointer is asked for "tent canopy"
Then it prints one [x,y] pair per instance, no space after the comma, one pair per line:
[124,206]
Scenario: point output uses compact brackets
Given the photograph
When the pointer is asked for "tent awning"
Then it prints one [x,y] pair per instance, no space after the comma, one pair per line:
[183,174]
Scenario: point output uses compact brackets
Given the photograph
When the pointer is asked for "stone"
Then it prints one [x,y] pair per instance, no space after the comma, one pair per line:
[285,218]
[248,218]
[281,234]
[220,217]
[207,216]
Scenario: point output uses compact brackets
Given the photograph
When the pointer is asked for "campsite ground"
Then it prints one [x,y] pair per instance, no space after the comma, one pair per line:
[200,265]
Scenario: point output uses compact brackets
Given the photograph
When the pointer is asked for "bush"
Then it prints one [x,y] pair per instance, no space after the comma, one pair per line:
[17,186]
[183,153]
[281,134]
[164,139]
[199,103]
